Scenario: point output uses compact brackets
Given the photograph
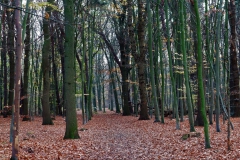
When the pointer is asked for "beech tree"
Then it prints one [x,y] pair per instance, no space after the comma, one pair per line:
[69,80]
[17,83]
[46,68]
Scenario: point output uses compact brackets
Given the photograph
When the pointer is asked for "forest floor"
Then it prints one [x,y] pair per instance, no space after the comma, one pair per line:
[110,136]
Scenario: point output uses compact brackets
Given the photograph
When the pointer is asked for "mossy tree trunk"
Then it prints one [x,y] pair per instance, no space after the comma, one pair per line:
[200,76]
[170,61]
[186,75]
[45,70]
[152,73]
[199,119]
[69,77]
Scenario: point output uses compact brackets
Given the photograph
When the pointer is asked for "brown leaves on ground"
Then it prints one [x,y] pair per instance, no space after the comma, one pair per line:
[112,136]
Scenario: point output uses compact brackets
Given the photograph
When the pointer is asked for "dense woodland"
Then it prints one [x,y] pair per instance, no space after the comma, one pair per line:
[148,59]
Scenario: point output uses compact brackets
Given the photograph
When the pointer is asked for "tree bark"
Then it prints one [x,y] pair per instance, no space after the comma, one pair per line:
[234,75]
[69,76]
[55,76]
[4,59]
[45,70]
[17,81]
[141,61]
[200,76]
[26,69]
[10,50]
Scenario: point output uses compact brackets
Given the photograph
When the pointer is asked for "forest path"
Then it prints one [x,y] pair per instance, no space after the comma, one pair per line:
[111,136]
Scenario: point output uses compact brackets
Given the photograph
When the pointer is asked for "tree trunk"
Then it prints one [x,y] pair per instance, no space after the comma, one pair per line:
[4,59]
[26,69]
[186,75]
[113,84]
[141,61]
[152,73]
[69,77]
[125,90]
[15,144]
[200,77]
[170,61]
[199,119]
[59,106]
[234,75]
[10,50]
[45,70]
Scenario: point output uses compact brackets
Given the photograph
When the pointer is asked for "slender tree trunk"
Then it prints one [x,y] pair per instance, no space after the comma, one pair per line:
[4,59]
[15,144]
[110,63]
[208,52]
[199,119]
[170,59]
[94,98]
[189,102]
[152,75]
[161,57]
[26,69]
[10,50]
[200,80]
[59,106]
[60,34]
[218,84]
